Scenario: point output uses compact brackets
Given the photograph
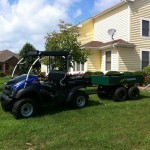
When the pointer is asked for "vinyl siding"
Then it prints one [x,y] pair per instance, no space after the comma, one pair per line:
[86,32]
[127,59]
[139,9]
[116,19]
[94,61]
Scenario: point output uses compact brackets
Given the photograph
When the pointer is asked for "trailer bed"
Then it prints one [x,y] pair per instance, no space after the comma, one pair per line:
[116,80]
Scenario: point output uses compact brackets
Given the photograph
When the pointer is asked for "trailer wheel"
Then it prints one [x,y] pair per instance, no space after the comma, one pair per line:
[80,99]
[133,93]
[102,94]
[120,94]
[24,108]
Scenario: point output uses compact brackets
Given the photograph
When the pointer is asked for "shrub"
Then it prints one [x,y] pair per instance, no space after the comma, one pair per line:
[2,74]
[128,73]
[112,73]
[147,70]
[89,73]
[147,79]
[139,73]
[97,73]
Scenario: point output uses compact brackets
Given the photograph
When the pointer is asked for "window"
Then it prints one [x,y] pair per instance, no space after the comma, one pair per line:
[0,67]
[145,27]
[108,60]
[7,66]
[145,58]
[78,67]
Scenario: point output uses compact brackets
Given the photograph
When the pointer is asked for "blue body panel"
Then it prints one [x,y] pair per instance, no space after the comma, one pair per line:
[19,82]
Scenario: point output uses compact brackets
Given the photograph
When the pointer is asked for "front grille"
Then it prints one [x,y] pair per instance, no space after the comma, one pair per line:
[7,90]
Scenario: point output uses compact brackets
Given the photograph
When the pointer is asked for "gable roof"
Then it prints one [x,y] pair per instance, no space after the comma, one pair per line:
[6,54]
[101,45]
[93,44]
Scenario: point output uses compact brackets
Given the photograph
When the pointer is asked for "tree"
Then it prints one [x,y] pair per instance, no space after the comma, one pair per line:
[66,40]
[26,48]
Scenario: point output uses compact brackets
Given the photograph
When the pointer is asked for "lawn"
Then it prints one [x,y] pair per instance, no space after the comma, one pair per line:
[101,125]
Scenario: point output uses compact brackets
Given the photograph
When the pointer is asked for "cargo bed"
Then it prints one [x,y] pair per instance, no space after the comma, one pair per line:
[116,80]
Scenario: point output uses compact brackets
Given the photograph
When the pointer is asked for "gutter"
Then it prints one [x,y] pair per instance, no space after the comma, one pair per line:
[125,45]
[111,46]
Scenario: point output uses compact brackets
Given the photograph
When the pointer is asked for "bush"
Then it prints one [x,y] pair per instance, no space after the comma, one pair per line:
[128,73]
[147,70]
[139,73]
[2,74]
[112,73]
[97,73]
[147,79]
[89,73]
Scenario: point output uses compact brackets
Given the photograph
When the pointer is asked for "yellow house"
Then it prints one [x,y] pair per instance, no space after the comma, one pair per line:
[130,49]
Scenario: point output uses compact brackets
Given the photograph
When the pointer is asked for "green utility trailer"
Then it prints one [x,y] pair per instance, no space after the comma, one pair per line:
[118,87]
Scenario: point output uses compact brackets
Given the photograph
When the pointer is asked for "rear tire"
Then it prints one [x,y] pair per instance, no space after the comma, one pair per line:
[133,93]
[24,108]
[120,94]
[80,99]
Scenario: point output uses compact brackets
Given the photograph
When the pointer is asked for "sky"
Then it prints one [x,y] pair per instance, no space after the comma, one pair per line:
[23,21]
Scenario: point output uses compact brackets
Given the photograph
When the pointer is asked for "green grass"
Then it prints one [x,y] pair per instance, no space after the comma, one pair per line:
[101,125]
[2,81]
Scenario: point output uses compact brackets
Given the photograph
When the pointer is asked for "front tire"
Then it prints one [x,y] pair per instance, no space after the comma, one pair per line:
[24,108]
[80,100]
[5,107]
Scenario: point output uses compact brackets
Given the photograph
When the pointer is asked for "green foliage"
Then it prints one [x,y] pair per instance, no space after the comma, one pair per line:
[111,73]
[147,79]
[97,73]
[26,48]
[147,70]
[2,74]
[66,40]
[89,73]
[128,73]
[139,73]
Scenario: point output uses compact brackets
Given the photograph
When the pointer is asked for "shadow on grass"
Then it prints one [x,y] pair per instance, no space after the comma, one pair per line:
[144,97]
[54,109]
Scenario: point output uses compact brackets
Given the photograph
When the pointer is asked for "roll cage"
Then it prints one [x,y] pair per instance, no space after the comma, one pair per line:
[52,56]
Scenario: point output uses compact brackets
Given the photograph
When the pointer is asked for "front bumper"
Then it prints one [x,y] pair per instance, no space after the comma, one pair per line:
[6,99]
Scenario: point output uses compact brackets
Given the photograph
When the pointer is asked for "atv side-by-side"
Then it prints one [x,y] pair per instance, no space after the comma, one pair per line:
[25,94]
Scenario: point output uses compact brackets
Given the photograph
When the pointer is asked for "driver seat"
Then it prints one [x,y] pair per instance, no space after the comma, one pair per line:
[57,77]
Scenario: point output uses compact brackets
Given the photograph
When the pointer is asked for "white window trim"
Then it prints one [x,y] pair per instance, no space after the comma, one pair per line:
[78,72]
[129,23]
[118,60]
[141,50]
[145,37]
[105,60]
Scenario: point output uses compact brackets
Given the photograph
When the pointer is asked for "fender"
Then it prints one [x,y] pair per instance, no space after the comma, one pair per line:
[73,91]
[27,90]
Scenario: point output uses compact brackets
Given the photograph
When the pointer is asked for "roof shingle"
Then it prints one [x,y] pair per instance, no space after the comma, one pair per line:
[6,54]
[98,44]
